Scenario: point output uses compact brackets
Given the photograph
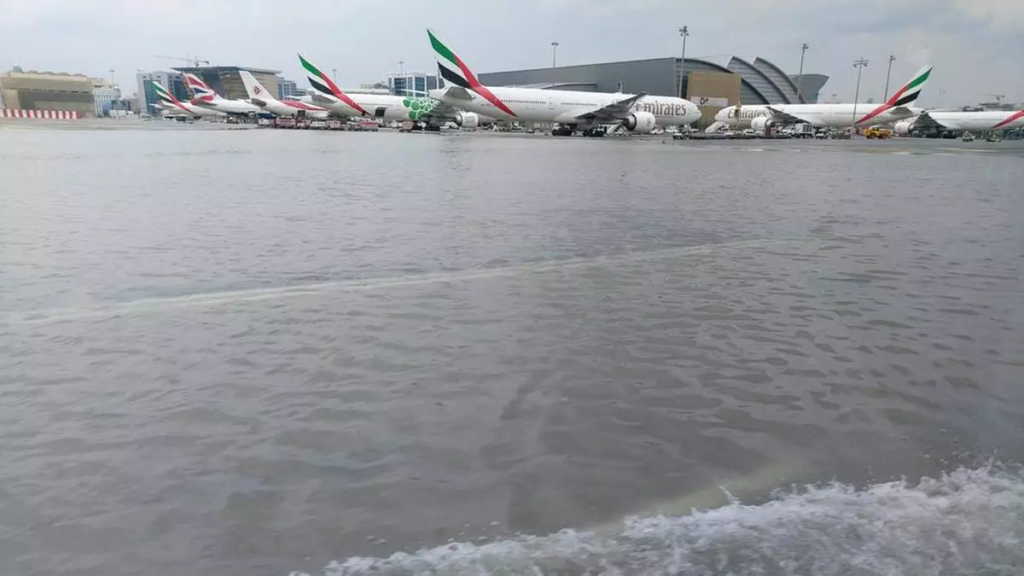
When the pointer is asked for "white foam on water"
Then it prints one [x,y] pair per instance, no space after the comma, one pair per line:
[970,521]
[146,305]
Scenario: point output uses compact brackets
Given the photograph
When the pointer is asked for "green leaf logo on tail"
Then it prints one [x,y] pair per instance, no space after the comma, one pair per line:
[908,94]
[323,83]
[455,71]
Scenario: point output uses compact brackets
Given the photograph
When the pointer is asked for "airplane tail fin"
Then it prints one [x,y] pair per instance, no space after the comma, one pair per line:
[253,87]
[200,90]
[163,94]
[910,91]
[451,67]
[905,96]
[455,72]
[323,83]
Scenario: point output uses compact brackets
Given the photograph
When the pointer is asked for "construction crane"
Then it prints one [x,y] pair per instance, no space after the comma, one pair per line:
[194,61]
[998,97]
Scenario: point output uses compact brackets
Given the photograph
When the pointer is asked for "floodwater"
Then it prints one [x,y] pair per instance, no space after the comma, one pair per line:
[257,352]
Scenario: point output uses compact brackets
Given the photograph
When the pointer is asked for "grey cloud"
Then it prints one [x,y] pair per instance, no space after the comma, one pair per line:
[974,44]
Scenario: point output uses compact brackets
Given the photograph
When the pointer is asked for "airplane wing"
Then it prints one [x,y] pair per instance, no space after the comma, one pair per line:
[612,113]
[321,99]
[901,112]
[926,122]
[780,115]
[440,114]
[458,93]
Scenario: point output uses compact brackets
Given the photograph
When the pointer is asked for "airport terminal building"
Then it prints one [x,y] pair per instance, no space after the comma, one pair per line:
[711,85]
[53,91]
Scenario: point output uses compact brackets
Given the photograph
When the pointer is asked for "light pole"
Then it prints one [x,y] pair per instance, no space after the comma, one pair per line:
[800,75]
[892,58]
[942,94]
[334,74]
[554,54]
[684,32]
[401,67]
[111,76]
[859,65]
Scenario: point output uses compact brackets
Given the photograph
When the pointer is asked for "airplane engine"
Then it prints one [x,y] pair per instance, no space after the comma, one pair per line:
[903,128]
[762,124]
[640,122]
[467,119]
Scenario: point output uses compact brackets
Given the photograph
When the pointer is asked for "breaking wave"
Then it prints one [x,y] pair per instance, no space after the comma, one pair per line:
[970,521]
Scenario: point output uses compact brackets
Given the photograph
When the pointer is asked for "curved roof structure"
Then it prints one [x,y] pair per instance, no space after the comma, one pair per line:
[779,79]
[748,92]
[761,82]
[812,85]
[769,90]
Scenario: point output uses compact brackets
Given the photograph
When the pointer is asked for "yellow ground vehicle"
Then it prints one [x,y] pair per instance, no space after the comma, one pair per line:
[879,133]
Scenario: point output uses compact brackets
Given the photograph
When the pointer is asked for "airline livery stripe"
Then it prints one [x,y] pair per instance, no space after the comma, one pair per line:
[452,77]
[908,99]
[468,80]
[874,113]
[1015,116]
[483,91]
[442,49]
[918,81]
[915,83]
[331,87]
[315,83]
[309,67]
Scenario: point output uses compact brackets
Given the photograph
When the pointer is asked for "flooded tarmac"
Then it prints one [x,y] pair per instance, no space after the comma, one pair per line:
[257,352]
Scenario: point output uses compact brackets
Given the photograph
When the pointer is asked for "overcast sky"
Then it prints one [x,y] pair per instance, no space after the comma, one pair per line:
[975,45]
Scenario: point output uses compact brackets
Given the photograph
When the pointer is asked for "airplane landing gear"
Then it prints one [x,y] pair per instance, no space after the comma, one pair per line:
[562,131]
[597,132]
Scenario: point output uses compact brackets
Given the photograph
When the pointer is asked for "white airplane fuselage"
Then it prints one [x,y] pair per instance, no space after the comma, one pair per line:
[979,121]
[382,106]
[294,108]
[819,115]
[227,106]
[563,106]
[186,108]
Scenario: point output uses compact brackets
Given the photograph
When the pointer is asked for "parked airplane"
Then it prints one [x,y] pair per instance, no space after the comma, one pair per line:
[203,95]
[898,107]
[186,108]
[385,106]
[586,111]
[261,97]
[161,109]
[983,121]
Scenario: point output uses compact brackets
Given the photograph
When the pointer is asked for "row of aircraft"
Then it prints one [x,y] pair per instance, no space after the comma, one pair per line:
[466,102]
[898,111]
[463,101]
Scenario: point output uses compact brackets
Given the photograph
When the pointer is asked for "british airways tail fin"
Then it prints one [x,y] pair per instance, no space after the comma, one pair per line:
[200,90]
